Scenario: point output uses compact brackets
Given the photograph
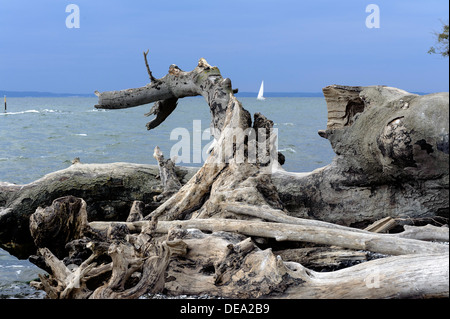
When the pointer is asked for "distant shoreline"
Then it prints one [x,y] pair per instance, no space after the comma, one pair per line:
[239,94]
[41,94]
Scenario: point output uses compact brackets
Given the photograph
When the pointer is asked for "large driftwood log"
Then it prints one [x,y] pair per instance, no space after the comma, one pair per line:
[346,238]
[392,158]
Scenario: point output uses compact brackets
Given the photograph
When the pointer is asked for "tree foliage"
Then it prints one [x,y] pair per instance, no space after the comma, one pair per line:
[441,46]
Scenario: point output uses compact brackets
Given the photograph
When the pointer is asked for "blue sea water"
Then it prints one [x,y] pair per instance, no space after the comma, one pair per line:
[42,135]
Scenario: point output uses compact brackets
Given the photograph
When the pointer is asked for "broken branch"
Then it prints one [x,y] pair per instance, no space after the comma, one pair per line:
[152,78]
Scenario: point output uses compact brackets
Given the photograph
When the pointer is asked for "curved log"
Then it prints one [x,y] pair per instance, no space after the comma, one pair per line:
[204,80]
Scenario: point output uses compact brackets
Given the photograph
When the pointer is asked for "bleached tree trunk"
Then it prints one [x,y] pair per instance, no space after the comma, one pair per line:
[230,162]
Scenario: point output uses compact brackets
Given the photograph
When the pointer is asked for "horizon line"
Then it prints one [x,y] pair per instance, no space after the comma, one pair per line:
[49,94]
[242,94]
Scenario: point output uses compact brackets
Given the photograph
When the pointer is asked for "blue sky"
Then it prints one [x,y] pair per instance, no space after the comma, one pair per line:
[294,46]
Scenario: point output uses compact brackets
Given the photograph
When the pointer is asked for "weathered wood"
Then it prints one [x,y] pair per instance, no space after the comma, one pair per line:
[132,181]
[204,80]
[261,274]
[161,109]
[228,161]
[382,225]
[427,232]
[329,258]
[408,276]
[138,264]
[381,243]
[231,265]
[136,212]
[108,189]
[167,175]
[279,216]
[150,74]
[406,180]
[125,264]
[390,162]
[391,159]
[58,224]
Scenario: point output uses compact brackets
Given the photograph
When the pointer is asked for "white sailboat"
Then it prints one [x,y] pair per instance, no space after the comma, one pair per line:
[261,92]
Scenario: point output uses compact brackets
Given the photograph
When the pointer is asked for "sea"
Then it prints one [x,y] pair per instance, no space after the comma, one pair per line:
[40,135]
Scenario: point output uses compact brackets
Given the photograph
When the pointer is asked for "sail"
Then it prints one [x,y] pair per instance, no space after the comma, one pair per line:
[261,92]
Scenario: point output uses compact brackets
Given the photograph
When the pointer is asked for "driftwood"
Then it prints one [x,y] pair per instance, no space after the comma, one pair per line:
[392,159]
[323,258]
[229,264]
[168,176]
[215,232]
[122,260]
[391,146]
[108,189]
[380,243]
[240,270]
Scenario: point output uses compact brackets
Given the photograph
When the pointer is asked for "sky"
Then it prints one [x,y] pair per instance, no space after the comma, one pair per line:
[293,45]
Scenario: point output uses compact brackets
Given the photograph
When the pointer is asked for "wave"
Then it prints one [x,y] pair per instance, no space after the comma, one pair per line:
[288,149]
[22,112]
[44,111]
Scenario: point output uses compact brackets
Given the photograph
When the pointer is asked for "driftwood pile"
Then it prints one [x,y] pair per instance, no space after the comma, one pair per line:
[222,257]
[241,227]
